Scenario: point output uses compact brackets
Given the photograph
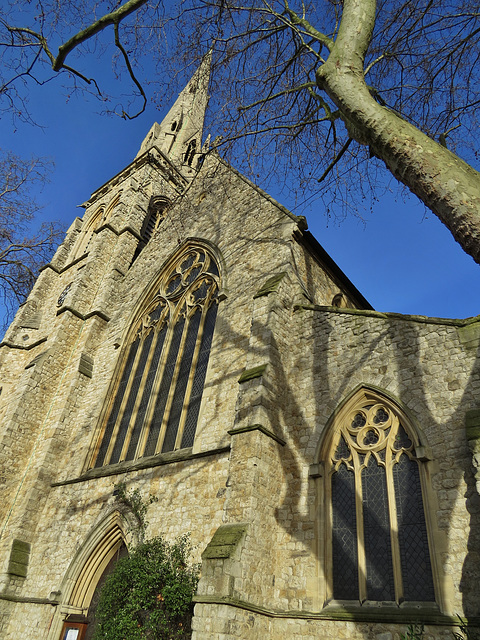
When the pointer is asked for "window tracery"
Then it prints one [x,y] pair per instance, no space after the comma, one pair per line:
[157,395]
[379,548]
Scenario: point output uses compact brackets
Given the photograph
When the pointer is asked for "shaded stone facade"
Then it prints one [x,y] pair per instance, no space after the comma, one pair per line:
[294,346]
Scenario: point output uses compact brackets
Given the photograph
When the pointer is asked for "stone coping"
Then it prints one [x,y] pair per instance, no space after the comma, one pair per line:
[142,463]
[58,270]
[271,285]
[403,614]
[257,427]
[84,316]
[225,541]
[389,315]
[251,374]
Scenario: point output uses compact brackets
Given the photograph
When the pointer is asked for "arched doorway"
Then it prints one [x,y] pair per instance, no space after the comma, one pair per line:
[95,560]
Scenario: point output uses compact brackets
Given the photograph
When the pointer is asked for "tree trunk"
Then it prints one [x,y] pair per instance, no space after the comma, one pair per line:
[445,183]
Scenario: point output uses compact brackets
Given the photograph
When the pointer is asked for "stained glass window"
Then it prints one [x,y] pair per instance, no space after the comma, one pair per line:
[156,400]
[379,542]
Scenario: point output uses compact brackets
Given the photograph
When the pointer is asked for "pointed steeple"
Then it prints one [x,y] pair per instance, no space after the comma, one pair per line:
[179,136]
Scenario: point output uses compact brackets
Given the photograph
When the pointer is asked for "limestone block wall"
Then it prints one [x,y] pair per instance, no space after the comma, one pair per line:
[54,409]
[223,622]
[279,369]
[426,366]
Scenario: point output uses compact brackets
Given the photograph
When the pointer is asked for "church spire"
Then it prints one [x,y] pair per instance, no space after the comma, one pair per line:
[179,136]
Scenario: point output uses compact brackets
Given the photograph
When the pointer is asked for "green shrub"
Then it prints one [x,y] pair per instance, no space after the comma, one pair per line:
[149,594]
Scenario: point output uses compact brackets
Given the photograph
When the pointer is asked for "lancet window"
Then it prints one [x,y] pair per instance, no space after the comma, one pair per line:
[157,210]
[190,152]
[379,544]
[156,399]
[100,216]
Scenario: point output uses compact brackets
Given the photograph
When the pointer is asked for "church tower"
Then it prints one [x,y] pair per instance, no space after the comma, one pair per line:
[191,340]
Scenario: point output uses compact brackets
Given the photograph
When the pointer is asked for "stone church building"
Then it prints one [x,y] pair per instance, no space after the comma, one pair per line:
[192,339]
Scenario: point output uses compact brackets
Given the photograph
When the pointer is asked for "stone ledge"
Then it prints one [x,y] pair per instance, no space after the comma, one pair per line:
[389,315]
[257,427]
[119,232]
[397,615]
[251,374]
[86,316]
[224,541]
[38,359]
[19,558]
[85,365]
[25,599]
[65,268]
[159,460]
[271,285]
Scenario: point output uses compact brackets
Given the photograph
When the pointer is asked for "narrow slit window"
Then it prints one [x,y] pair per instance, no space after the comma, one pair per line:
[156,400]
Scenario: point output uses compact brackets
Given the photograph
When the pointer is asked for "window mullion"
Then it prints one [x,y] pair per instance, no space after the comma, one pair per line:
[329,534]
[157,397]
[171,392]
[392,510]
[138,399]
[142,440]
[160,342]
[191,376]
[118,421]
[362,561]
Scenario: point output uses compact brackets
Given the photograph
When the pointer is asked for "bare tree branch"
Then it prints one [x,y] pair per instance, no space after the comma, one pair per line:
[22,249]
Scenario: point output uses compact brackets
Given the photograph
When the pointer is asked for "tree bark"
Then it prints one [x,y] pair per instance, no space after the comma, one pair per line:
[443,181]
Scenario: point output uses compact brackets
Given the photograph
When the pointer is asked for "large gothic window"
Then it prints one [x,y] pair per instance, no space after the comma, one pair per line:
[156,400]
[379,546]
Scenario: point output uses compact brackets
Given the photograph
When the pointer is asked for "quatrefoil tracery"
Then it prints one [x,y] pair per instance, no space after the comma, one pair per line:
[189,286]
[372,429]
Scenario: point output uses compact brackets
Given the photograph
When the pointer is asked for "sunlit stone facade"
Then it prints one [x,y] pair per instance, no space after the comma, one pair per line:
[191,339]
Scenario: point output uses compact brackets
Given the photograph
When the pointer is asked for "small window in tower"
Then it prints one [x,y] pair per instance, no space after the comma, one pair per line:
[174,125]
[156,213]
[190,152]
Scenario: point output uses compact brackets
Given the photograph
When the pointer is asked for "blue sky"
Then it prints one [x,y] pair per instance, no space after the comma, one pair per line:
[402,259]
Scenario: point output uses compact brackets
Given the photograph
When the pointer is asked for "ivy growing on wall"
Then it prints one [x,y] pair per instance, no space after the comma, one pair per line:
[148,596]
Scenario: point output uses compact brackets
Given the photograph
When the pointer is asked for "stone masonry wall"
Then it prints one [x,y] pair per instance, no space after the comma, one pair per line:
[422,364]
[277,372]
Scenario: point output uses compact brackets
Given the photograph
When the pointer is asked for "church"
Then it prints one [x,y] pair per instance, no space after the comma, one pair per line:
[192,341]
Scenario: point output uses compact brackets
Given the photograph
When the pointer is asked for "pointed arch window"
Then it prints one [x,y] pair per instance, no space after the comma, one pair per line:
[91,224]
[86,234]
[157,210]
[156,400]
[190,152]
[379,547]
